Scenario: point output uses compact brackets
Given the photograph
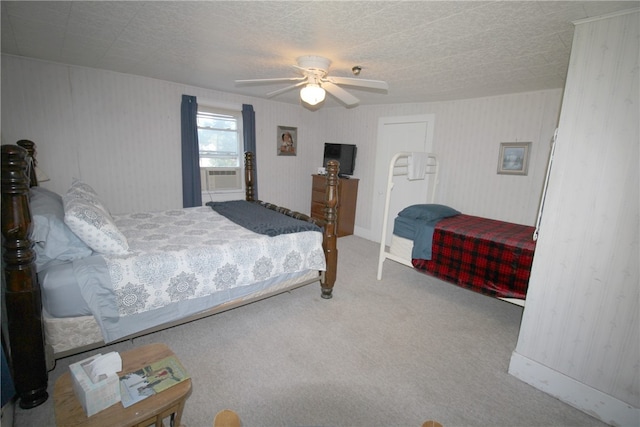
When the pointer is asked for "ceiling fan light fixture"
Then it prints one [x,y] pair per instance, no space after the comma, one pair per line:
[312,94]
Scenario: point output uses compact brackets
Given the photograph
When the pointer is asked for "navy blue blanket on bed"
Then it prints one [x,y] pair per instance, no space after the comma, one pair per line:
[260,219]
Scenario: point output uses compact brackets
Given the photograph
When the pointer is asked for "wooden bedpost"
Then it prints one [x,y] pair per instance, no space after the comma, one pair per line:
[249,176]
[330,238]
[22,297]
[30,146]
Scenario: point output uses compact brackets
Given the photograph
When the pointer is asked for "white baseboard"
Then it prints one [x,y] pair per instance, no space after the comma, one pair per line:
[365,233]
[581,396]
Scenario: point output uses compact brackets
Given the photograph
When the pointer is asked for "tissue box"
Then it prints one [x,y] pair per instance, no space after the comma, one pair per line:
[94,397]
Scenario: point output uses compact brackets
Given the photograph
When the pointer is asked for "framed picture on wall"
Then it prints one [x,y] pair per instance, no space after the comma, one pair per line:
[514,158]
[287,144]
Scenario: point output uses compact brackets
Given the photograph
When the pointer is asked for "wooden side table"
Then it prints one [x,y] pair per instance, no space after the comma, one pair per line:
[151,411]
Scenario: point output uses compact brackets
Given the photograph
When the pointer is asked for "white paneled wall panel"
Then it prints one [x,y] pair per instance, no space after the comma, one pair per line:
[581,319]
[467,140]
[286,180]
[129,126]
[121,133]
[36,105]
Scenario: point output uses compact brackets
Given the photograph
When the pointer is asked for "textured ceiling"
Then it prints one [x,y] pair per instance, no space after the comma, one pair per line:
[425,50]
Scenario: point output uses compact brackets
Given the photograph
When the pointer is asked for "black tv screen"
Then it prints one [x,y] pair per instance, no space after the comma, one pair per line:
[343,153]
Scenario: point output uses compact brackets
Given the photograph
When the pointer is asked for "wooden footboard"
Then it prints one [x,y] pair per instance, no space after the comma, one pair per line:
[21,294]
[329,239]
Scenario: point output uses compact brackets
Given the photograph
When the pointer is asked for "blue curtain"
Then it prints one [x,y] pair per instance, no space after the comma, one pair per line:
[249,132]
[191,189]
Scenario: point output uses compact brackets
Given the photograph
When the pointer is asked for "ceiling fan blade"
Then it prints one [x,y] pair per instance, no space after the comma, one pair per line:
[350,81]
[269,81]
[302,70]
[285,89]
[342,95]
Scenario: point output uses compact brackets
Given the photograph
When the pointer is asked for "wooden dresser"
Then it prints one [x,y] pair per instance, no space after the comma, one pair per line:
[347,199]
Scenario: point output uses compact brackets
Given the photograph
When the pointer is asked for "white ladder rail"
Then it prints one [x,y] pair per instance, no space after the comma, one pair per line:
[395,169]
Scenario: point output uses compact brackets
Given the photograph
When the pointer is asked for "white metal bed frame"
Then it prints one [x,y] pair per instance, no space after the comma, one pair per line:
[399,166]
[399,249]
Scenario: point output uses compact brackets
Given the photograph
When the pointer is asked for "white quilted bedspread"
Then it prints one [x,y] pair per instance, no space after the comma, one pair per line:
[183,254]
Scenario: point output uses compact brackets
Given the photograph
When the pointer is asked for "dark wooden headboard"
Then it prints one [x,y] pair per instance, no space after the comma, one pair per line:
[21,290]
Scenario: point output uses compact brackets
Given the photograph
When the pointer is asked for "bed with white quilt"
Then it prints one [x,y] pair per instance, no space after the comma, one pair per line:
[78,277]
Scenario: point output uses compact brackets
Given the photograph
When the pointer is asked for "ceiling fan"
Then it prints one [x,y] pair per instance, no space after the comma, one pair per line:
[315,80]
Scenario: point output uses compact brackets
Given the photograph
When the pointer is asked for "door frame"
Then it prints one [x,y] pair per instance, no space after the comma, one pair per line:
[384,153]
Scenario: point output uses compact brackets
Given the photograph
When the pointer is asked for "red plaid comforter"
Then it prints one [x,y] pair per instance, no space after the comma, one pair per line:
[484,255]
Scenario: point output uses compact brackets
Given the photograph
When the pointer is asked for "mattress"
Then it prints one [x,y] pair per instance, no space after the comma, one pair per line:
[401,247]
[61,296]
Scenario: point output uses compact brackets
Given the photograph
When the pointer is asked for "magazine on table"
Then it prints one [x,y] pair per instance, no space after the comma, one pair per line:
[158,376]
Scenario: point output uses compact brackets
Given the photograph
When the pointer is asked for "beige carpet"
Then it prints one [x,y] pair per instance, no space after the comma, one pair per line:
[396,352]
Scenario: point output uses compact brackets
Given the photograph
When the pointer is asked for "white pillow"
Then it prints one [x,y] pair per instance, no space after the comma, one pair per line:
[89,219]
[83,191]
[82,187]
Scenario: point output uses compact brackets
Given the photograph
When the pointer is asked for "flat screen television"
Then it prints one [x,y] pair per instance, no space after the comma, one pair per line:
[343,153]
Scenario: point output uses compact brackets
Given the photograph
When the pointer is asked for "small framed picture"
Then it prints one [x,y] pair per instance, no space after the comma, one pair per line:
[287,144]
[514,158]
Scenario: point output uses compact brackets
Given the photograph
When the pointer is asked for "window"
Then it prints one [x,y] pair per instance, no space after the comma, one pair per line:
[219,139]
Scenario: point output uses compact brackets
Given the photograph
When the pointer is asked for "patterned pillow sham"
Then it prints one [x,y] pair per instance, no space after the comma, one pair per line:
[80,186]
[89,219]
[83,191]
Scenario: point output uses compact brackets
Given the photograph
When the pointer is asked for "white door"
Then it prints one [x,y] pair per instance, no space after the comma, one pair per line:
[395,134]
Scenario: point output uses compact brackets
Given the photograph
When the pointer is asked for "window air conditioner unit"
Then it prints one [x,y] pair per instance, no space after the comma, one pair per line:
[214,179]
